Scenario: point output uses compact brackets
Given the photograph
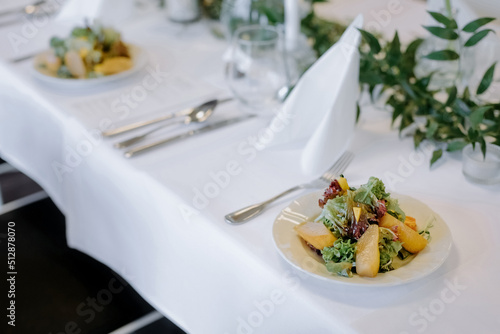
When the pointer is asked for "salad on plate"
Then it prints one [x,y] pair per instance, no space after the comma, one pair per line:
[362,230]
[88,52]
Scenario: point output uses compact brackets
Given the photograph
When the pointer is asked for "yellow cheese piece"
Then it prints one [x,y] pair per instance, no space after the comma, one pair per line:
[357,213]
[343,183]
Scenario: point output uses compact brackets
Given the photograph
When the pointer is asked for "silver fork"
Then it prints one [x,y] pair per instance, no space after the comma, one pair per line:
[252,211]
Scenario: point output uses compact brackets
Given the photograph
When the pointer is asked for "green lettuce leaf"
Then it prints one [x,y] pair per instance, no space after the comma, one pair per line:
[389,248]
[341,251]
[371,192]
[425,232]
[340,257]
[342,268]
[394,210]
[336,213]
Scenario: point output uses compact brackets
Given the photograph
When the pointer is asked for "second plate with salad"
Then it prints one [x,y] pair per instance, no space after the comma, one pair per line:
[90,55]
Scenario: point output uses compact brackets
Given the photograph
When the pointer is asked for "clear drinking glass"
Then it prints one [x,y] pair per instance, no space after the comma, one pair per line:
[255,72]
[479,169]
[238,13]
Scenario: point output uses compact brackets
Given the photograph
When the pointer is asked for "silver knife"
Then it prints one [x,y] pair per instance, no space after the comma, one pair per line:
[206,128]
[140,124]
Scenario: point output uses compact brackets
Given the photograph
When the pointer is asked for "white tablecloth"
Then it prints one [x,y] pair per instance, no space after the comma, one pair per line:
[158,219]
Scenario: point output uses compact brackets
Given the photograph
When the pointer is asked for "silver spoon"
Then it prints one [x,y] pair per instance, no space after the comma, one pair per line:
[197,115]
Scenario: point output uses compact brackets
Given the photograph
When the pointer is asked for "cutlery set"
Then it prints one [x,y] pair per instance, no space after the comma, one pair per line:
[199,114]
[207,128]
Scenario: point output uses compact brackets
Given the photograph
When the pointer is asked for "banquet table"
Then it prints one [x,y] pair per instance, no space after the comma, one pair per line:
[158,219]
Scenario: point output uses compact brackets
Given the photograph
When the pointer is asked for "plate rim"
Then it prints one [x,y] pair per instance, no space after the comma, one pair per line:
[367,282]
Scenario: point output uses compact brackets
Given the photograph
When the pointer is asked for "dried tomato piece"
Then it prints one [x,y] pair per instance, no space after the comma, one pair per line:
[356,228]
[314,249]
[381,208]
[333,190]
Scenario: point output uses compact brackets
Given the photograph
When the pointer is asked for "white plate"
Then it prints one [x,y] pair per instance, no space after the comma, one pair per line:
[137,54]
[297,253]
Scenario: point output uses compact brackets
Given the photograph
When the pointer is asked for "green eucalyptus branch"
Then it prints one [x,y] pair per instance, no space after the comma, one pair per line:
[450,117]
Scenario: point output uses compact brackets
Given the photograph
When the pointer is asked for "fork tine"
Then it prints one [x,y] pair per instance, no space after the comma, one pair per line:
[338,167]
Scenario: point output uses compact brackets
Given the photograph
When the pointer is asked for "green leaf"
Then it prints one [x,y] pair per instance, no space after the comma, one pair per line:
[272,15]
[408,61]
[371,91]
[442,55]
[461,108]
[413,46]
[406,121]
[431,130]
[423,83]
[370,78]
[56,42]
[466,94]
[452,95]
[497,140]
[394,52]
[341,268]
[447,22]
[482,142]
[398,110]
[476,24]
[486,80]
[477,115]
[418,137]
[444,33]
[408,89]
[371,40]
[457,145]
[436,155]
[358,112]
[477,37]
[80,32]
[472,135]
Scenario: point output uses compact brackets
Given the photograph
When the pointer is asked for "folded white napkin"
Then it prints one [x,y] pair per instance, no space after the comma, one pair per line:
[321,109]
[108,12]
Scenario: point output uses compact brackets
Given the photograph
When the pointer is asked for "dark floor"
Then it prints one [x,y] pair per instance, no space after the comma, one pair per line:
[61,290]
[161,326]
[15,185]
